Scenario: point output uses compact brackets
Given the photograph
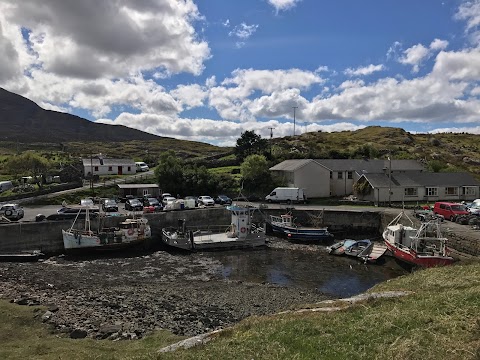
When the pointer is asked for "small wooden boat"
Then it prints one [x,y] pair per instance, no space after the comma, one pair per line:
[424,247]
[240,233]
[286,226]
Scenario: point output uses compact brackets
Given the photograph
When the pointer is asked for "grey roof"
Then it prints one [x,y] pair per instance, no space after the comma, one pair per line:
[422,179]
[290,165]
[108,162]
[137,186]
[362,166]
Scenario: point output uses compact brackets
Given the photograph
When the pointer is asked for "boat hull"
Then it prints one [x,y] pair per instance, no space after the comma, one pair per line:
[410,257]
[74,241]
[208,241]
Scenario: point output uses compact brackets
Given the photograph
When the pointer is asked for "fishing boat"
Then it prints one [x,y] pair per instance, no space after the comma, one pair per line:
[131,231]
[423,247]
[286,226]
[240,233]
[366,250]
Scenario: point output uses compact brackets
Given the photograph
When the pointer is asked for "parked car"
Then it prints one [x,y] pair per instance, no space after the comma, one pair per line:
[449,210]
[223,200]
[12,211]
[474,209]
[151,204]
[110,205]
[193,199]
[133,205]
[206,200]
[167,199]
[87,202]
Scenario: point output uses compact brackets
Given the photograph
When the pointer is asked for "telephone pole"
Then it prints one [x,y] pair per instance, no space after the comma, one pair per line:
[294,108]
[271,132]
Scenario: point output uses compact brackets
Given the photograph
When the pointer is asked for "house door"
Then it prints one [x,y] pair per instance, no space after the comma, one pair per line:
[120,170]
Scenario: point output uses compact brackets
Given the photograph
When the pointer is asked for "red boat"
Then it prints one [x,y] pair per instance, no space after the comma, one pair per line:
[424,247]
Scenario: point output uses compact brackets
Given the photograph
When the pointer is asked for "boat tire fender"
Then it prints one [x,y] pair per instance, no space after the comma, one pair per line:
[130,231]
[243,230]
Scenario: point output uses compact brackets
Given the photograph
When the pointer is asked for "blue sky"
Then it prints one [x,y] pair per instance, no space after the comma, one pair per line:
[207,70]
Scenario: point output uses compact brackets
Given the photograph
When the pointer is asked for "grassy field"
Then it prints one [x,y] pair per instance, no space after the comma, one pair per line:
[439,320]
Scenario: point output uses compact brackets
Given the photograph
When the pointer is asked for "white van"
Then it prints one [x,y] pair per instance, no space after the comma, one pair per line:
[286,194]
[141,166]
[5,185]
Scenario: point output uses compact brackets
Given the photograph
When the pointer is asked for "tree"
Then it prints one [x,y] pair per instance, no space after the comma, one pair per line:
[29,164]
[250,143]
[169,172]
[256,174]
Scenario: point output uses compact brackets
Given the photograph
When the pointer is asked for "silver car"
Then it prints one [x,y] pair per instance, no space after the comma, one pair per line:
[12,211]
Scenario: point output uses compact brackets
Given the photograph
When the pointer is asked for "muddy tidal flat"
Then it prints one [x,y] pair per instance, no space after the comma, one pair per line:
[126,296]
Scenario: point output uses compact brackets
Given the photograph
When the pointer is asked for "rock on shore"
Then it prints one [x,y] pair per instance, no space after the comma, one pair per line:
[129,297]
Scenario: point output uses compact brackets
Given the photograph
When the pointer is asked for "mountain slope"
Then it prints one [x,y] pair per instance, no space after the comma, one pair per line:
[24,121]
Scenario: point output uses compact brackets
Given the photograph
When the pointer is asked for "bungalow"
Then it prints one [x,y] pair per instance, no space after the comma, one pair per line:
[336,177]
[424,187]
[99,166]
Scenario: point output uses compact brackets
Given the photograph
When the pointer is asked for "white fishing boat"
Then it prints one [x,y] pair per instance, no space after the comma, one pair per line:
[131,231]
[240,233]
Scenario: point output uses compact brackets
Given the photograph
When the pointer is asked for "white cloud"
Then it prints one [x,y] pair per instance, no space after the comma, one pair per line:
[469,11]
[438,44]
[243,31]
[189,95]
[414,56]
[117,37]
[470,130]
[363,71]
[282,5]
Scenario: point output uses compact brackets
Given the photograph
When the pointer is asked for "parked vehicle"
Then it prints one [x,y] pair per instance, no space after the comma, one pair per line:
[5,185]
[109,205]
[206,200]
[141,166]
[449,210]
[191,202]
[223,200]
[87,202]
[286,194]
[12,211]
[167,199]
[474,209]
[152,204]
[133,205]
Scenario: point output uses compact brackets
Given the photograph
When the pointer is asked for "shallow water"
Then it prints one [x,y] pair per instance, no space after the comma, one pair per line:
[332,275]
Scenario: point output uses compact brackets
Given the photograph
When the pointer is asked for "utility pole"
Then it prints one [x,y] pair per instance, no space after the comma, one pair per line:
[271,132]
[294,108]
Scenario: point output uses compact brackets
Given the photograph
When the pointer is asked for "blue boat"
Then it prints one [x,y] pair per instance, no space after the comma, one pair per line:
[285,225]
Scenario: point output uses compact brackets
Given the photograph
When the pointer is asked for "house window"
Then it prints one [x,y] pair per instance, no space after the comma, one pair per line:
[432,191]
[331,174]
[410,191]
[350,175]
[340,175]
[129,168]
[110,168]
[469,190]
[95,168]
[451,191]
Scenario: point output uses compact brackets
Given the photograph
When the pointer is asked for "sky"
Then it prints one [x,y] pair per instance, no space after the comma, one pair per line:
[208,70]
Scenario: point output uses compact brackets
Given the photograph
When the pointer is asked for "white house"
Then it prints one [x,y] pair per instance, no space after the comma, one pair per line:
[335,177]
[98,166]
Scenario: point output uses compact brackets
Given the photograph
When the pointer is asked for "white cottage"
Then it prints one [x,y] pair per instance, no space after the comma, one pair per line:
[98,166]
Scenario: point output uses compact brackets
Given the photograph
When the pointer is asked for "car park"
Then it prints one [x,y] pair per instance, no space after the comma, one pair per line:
[206,200]
[109,205]
[133,205]
[223,200]
[12,211]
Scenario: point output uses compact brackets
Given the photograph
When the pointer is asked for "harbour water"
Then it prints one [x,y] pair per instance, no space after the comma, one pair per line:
[310,268]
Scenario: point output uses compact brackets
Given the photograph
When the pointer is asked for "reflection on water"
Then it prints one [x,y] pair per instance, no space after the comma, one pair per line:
[332,275]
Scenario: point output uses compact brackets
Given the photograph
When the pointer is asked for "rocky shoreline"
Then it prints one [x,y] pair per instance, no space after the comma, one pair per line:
[129,297]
